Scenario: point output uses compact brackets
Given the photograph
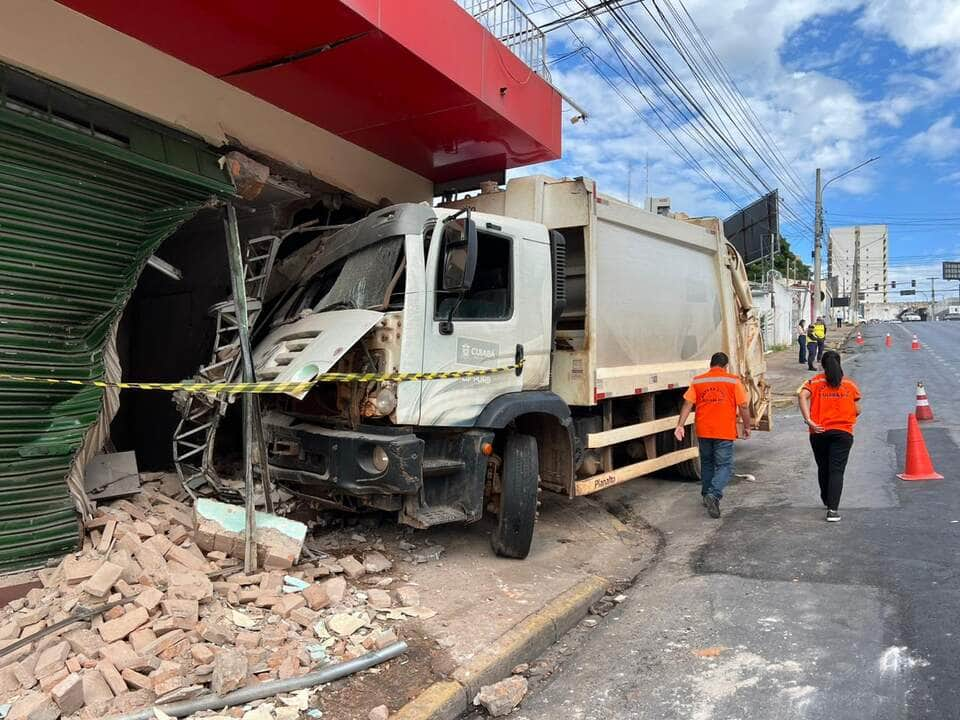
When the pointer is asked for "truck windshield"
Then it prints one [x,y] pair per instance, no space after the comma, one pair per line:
[358,281]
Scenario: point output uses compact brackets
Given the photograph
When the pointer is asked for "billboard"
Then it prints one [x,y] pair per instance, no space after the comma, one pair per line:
[951,270]
[752,229]
[840,302]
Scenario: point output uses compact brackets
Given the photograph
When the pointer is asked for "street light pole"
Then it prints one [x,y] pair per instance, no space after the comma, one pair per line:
[818,229]
[817,239]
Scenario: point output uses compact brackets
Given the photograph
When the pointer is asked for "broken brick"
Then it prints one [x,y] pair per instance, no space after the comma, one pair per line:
[352,567]
[407,596]
[137,680]
[68,694]
[316,597]
[186,558]
[84,642]
[229,671]
[76,571]
[304,616]
[149,598]
[47,682]
[141,637]
[289,603]
[95,688]
[35,706]
[182,608]
[102,580]
[162,643]
[123,626]
[51,659]
[335,588]
[112,676]
[379,599]
[202,654]
[248,640]
[191,585]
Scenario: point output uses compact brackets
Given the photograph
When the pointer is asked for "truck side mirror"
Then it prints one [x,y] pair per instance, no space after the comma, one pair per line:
[460,258]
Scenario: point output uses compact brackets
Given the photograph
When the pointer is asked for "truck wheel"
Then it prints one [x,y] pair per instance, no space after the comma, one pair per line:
[518,497]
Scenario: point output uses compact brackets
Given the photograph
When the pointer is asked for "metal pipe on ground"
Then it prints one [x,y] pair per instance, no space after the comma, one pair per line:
[268,689]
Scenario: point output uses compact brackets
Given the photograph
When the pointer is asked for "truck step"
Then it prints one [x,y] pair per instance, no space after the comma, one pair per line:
[441,466]
[439,515]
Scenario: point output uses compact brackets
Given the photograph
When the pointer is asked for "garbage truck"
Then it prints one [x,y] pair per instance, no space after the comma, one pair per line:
[534,337]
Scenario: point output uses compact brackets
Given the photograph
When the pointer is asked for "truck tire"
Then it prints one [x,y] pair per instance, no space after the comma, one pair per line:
[519,483]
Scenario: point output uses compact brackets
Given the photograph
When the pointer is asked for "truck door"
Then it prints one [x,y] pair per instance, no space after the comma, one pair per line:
[486,322]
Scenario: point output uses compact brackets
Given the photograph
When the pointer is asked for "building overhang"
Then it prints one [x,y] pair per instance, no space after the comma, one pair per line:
[418,82]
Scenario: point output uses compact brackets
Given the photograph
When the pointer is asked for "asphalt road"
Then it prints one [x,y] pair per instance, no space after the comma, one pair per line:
[773,613]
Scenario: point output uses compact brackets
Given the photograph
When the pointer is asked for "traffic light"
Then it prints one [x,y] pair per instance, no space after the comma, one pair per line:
[913,283]
[876,287]
[893,284]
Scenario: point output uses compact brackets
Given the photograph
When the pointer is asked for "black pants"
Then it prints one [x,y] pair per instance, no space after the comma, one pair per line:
[831,450]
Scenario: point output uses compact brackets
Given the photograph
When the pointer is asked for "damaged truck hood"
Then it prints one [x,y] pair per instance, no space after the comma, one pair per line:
[301,350]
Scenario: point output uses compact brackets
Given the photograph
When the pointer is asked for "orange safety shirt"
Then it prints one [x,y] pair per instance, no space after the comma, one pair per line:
[716,394]
[833,408]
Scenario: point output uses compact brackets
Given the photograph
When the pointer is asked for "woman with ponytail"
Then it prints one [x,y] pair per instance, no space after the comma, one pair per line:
[830,404]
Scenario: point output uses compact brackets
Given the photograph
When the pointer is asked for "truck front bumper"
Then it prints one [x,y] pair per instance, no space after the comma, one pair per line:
[369,461]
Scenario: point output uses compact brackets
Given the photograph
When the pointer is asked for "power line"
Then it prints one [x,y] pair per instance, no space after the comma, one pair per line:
[707,133]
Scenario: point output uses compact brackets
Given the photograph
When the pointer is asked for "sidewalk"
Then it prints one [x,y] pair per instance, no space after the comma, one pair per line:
[785,373]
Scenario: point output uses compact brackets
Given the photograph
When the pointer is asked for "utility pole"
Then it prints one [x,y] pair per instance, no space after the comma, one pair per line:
[817,237]
[856,275]
[933,299]
[646,187]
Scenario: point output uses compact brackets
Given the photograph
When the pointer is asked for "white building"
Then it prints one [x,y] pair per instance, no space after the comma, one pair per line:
[874,265]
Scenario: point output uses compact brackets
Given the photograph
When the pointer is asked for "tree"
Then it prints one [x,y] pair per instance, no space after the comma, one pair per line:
[798,269]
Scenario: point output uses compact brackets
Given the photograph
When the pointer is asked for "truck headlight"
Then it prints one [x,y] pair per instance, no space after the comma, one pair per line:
[380,459]
[386,400]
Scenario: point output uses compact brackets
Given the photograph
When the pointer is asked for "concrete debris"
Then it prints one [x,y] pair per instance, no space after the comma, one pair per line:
[220,527]
[189,621]
[502,697]
[376,562]
[111,475]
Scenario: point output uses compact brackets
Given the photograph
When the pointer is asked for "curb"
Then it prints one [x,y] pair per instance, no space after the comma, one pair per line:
[448,699]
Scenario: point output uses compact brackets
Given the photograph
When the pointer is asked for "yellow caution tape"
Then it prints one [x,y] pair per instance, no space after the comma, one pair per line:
[295,388]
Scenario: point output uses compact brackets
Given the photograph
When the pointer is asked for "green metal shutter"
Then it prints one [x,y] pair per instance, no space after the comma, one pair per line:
[79,217]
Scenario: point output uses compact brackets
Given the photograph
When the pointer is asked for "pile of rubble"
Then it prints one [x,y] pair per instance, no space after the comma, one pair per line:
[182,619]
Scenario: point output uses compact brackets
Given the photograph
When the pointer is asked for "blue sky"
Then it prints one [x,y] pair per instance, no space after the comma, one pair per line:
[832,82]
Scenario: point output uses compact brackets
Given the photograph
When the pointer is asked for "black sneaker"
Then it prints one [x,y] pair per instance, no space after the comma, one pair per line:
[833,516]
[713,506]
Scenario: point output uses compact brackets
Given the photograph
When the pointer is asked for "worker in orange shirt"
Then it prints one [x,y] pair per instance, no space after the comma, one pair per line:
[718,397]
[830,405]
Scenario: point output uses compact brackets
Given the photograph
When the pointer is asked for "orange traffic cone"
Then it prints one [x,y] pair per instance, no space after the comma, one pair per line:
[915,345]
[919,466]
[859,338]
[924,411]
[889,340]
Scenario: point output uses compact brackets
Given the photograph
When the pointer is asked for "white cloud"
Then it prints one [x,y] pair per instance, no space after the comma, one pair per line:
[817,120]
[937,142]
[915,24]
